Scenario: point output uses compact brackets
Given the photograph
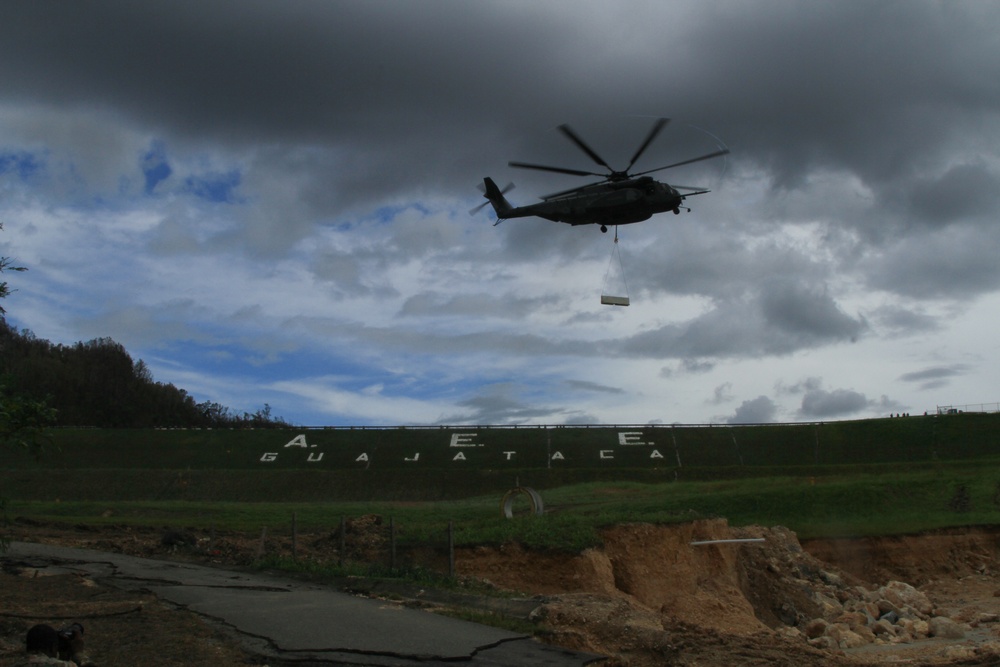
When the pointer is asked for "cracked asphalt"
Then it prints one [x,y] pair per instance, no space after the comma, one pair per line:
[289,621]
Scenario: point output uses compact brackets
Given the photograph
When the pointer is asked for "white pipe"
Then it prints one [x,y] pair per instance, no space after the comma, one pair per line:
[731,541]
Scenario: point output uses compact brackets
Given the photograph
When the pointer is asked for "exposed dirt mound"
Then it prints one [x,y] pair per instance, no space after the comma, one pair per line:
[916,559]
[703,593]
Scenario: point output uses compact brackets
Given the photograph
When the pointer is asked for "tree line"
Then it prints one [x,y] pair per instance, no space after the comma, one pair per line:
[97,383]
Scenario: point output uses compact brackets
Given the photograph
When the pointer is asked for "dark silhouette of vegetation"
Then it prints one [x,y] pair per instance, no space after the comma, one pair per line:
[22,419]
[92,384]
[961,500]
[6,265]
[97,383]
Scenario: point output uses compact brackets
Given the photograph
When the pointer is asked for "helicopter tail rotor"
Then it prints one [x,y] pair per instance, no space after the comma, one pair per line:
[495,196]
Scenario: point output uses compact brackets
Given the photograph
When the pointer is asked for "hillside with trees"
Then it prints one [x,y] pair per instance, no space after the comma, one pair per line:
[97,383]
[92,384]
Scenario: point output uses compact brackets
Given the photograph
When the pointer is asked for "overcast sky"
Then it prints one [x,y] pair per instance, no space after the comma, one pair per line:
[268,202]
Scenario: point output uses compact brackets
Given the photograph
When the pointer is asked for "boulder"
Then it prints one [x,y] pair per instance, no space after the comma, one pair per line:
[945,628]
[883,628]
[845,638]
[829,607]
[902,595]
[825,643]
[886,607]
[891,616]
[815,628]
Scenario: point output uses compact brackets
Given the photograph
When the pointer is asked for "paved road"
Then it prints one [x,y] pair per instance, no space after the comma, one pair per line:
[307,623]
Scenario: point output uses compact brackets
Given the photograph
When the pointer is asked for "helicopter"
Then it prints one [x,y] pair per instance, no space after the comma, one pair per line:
[621,198]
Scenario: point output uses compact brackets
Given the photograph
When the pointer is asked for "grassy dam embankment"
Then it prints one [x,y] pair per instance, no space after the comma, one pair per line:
[451,462]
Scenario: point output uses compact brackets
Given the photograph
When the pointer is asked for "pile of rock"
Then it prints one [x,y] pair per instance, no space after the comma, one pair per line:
[891,614]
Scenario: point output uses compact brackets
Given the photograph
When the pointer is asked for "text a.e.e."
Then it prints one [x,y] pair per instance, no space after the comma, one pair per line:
[471,447]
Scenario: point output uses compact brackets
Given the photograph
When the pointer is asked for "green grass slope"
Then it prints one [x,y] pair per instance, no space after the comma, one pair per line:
[868,477]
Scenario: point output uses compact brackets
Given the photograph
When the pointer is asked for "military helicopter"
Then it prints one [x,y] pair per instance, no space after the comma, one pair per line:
[621,198]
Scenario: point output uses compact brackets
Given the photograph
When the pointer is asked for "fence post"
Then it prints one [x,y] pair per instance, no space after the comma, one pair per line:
[260,547]
[451,549]
[343,541]
[392,544]
[677,452]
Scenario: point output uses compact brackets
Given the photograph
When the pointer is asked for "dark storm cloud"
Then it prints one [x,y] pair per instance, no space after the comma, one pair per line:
[225,67]
[687,366]
[386,89]
[501,404]
[696,366]
[808,314]
[401,99]
[594,387]
[722,394]
[957,263]
[963,191]
[935,376]
[777,321]
[760,410]
[819,403]
[431,304]
[869,88]
[899,320]
[804,386]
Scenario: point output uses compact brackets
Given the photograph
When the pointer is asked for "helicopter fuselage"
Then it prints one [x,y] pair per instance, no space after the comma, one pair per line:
[609,204]
[616,203]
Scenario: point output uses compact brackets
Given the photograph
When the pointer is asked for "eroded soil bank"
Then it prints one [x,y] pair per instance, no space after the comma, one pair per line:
[690,594]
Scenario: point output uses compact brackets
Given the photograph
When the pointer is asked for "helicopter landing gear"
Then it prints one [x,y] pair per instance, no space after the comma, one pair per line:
[604,229]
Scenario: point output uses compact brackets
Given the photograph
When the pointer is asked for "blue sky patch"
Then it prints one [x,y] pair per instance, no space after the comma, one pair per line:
[22,163]
[217,188]
[155,167]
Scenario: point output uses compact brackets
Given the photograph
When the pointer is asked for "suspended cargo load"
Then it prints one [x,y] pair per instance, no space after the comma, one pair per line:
[614,300]
[615,292]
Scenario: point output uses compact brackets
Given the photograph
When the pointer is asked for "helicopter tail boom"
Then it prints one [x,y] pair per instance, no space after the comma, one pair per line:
[496,198]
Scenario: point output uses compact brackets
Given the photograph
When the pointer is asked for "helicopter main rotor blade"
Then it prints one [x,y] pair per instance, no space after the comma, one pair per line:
[558,170]
[565,129]
[718,153]
[657,126]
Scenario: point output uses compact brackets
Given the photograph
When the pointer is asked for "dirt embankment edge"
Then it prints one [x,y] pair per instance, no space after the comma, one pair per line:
[699,592]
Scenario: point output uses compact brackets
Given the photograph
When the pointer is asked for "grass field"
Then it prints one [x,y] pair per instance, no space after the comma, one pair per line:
[872,477]
[945,495]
